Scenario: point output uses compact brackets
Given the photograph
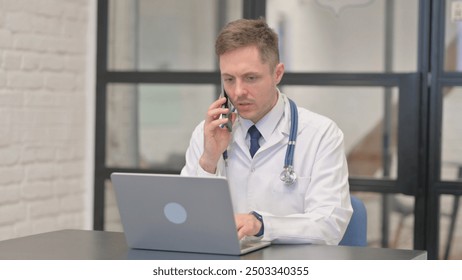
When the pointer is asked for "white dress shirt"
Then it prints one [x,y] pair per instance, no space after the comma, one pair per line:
[316,208]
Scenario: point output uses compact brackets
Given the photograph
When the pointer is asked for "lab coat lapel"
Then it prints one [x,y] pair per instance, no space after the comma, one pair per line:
[239,137]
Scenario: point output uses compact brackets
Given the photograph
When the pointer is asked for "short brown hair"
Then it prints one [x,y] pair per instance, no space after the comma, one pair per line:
[248,32]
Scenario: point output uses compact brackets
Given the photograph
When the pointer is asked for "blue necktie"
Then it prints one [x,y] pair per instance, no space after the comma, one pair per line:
[254,137]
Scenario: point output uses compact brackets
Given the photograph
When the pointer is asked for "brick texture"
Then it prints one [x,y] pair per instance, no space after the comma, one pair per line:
[43,54]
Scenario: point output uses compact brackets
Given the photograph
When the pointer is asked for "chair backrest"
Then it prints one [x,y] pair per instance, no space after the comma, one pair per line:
[356,232]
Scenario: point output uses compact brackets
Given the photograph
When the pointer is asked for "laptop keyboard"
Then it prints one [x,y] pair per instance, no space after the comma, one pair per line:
[246,244]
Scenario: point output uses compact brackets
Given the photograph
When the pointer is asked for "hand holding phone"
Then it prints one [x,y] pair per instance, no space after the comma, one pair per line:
[227,104]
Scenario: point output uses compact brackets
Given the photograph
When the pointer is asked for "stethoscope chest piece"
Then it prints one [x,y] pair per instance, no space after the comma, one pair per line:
[288,176]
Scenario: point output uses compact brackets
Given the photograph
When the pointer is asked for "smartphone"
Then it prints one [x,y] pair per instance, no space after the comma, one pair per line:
[227,104]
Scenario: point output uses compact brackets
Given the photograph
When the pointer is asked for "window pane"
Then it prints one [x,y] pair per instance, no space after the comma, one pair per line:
[450,238]
[453,37]
[159,35]
[111,209]
[149,126]
[451,154]
[362,115]
[338,36]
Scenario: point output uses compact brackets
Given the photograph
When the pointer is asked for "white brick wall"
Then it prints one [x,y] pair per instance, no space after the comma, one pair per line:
[44,115]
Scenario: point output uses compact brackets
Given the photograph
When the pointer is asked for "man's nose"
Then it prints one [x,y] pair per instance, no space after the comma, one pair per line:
[240,88]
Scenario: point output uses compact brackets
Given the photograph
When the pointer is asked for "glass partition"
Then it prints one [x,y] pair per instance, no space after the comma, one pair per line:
[149,126]
[453,36]
[368,118]
[451,138]
[450,246]
[326,36]
[159,35]
[111,209]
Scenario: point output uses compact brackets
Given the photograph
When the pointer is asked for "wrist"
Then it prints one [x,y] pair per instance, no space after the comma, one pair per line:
[207,165]
[259,218]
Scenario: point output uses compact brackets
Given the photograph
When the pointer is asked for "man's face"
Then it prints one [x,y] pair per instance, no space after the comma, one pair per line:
[249,83]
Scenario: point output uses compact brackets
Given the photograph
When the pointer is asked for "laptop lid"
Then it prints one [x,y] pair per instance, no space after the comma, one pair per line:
[178,213]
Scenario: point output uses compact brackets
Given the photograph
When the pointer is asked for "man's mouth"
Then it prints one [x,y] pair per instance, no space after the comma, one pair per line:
[244,103]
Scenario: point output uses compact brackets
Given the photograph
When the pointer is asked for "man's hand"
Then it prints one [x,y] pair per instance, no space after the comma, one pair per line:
[216,138]
[247,225]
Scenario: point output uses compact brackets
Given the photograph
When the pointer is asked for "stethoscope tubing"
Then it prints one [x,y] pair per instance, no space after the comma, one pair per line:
[289,159]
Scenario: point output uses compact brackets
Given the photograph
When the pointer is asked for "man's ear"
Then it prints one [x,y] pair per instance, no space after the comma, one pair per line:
[279,72]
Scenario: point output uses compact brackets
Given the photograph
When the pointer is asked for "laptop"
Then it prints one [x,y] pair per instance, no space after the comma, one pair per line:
[179,213]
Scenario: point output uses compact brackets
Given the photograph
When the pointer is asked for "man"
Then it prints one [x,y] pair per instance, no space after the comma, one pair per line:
[316,208]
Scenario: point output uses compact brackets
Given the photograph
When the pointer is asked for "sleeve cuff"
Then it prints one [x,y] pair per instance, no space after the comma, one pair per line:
[202,173]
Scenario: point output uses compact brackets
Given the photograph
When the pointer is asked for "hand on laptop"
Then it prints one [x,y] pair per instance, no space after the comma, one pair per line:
[247,225]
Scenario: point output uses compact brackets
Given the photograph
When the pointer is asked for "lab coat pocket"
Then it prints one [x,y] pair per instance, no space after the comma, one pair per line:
[289,199]
[298,187]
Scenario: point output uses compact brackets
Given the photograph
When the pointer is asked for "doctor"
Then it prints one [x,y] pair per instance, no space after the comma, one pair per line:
[315,206]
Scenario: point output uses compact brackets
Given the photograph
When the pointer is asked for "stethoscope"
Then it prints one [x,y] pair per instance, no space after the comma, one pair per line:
[288,175]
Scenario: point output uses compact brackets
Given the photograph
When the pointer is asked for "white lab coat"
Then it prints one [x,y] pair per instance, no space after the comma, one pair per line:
[317,208]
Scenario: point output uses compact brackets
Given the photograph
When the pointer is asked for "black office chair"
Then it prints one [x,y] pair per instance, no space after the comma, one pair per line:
[356,232]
